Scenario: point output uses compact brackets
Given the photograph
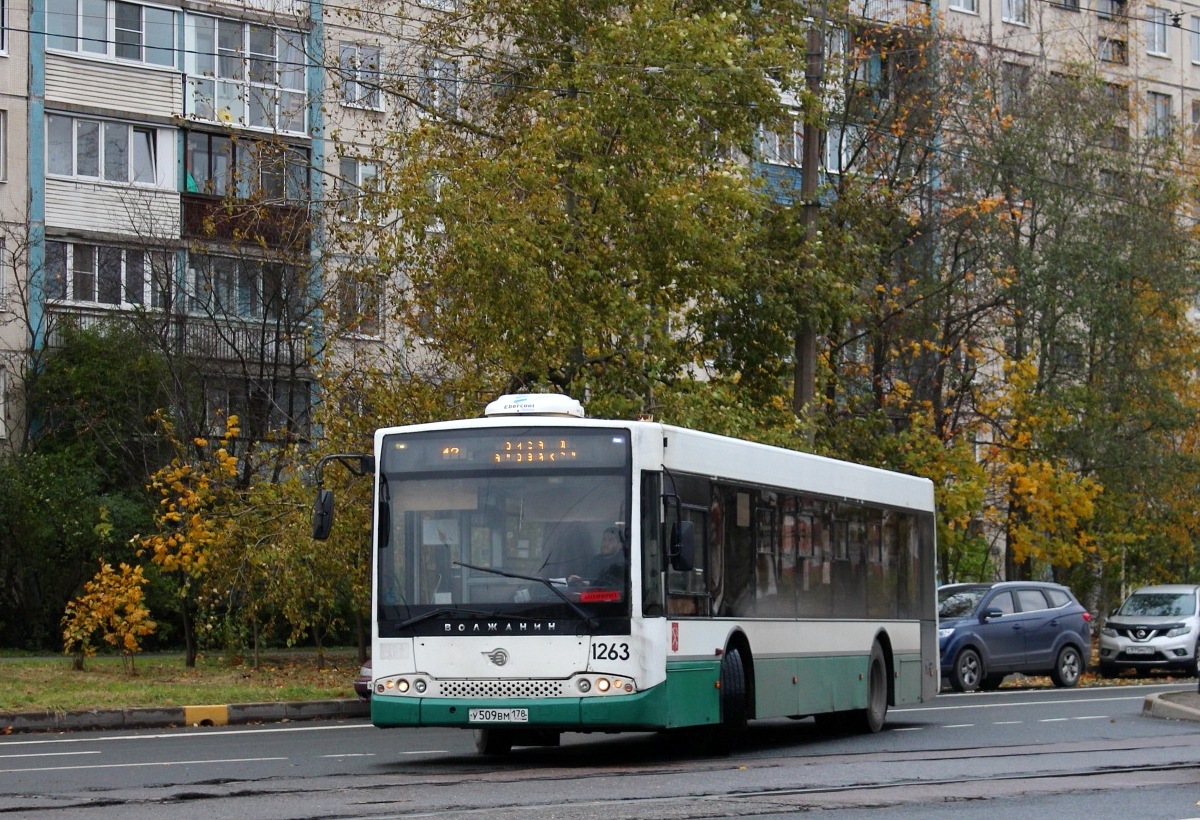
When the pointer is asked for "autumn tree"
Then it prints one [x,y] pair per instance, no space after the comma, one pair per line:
[195,500]
[112,610]
[563,193]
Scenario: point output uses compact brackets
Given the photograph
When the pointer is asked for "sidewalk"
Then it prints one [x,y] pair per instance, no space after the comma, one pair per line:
[1173,706]
[216,715]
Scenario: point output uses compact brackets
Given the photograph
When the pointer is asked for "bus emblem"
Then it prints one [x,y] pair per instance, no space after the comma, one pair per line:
[497,656]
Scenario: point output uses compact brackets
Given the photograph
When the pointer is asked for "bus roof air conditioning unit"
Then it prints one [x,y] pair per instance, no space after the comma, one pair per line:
[535,404]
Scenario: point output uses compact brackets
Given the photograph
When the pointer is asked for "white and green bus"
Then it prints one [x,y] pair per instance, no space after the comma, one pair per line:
[751,581]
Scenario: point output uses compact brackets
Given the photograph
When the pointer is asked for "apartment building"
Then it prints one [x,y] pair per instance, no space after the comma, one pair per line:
[128,128]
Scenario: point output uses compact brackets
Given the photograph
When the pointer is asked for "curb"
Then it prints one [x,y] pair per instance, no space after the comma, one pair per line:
[172,716]
[1159,706]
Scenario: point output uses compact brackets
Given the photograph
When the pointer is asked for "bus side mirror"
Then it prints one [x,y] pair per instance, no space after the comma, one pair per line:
[322,521]
[682,549]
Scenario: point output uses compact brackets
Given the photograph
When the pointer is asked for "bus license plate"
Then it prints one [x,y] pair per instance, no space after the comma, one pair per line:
[498,716]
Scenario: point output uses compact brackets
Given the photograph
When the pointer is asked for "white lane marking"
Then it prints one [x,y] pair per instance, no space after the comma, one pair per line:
[959,726]
[47,754]
[350,754]
[1011,704]
[146,765]
[192,734]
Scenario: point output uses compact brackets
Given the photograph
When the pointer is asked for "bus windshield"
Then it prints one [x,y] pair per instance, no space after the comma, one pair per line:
[474,533]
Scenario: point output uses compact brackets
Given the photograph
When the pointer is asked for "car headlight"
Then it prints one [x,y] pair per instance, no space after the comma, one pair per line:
[943,634]
[1179,630]
[1109,631]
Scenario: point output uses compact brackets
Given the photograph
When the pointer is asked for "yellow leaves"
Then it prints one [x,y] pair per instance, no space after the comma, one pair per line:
[111,606]
[193,511]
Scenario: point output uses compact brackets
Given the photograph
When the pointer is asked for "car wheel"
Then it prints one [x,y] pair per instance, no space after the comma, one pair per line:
[1068,668]
[968,671]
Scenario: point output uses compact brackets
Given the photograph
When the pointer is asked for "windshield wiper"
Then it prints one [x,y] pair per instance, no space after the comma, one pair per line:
[591,622]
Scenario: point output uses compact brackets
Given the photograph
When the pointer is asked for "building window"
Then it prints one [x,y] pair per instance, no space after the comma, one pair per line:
[1194,37]
[1067,5]
[102,149]
[1114,50]
[361,303]
[1196,122]
[124,31]
[359,66]
[100,274]
[969,6]
[1014,84]
[440,5]
[1108,9]
[356,178]
[782,147]
[228,287]
[439,87]
[3,26]
[3,146]
[1158,115]
[218,165]
[1157,22]
[1015,11]
[245,74]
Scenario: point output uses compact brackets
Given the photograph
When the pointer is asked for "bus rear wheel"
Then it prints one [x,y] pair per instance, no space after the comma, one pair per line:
[872,718]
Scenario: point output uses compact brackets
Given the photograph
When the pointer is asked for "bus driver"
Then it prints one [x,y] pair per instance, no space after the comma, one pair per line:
[606,568]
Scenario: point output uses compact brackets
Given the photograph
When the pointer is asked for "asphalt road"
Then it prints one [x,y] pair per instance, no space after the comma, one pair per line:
[1038,754]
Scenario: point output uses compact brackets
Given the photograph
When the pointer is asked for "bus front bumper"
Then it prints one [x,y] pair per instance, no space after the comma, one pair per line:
[689,697]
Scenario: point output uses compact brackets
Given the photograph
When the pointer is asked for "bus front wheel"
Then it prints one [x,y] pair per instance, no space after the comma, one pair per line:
[494,741]
[734,706]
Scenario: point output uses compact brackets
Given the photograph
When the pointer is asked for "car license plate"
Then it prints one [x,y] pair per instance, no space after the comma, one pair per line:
[498,716]
[1139,650]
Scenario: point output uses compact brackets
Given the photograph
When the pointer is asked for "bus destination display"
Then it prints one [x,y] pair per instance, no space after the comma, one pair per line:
[548,448]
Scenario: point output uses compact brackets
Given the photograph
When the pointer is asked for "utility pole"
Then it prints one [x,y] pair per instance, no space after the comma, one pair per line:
[805,354]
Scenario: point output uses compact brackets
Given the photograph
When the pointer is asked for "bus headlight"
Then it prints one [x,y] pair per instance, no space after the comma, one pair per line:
[603,685]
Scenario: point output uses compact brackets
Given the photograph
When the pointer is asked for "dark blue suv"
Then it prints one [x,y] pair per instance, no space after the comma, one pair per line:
[988,631]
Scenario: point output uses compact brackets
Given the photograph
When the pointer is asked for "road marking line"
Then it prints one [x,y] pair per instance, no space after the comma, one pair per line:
[188,734]
[959,726]
[145,765]
[47,754]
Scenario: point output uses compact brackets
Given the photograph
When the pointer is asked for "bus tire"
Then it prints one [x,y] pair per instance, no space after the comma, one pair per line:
[493,741]
[734,705]
[871,719]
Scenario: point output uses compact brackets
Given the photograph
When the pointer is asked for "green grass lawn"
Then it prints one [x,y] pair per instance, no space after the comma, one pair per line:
[48,683]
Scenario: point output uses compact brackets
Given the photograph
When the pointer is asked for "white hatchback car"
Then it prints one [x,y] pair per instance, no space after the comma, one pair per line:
[1157,627]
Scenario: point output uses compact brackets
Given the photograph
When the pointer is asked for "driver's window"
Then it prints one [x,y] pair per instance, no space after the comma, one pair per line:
[1003,602]
[687,590]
